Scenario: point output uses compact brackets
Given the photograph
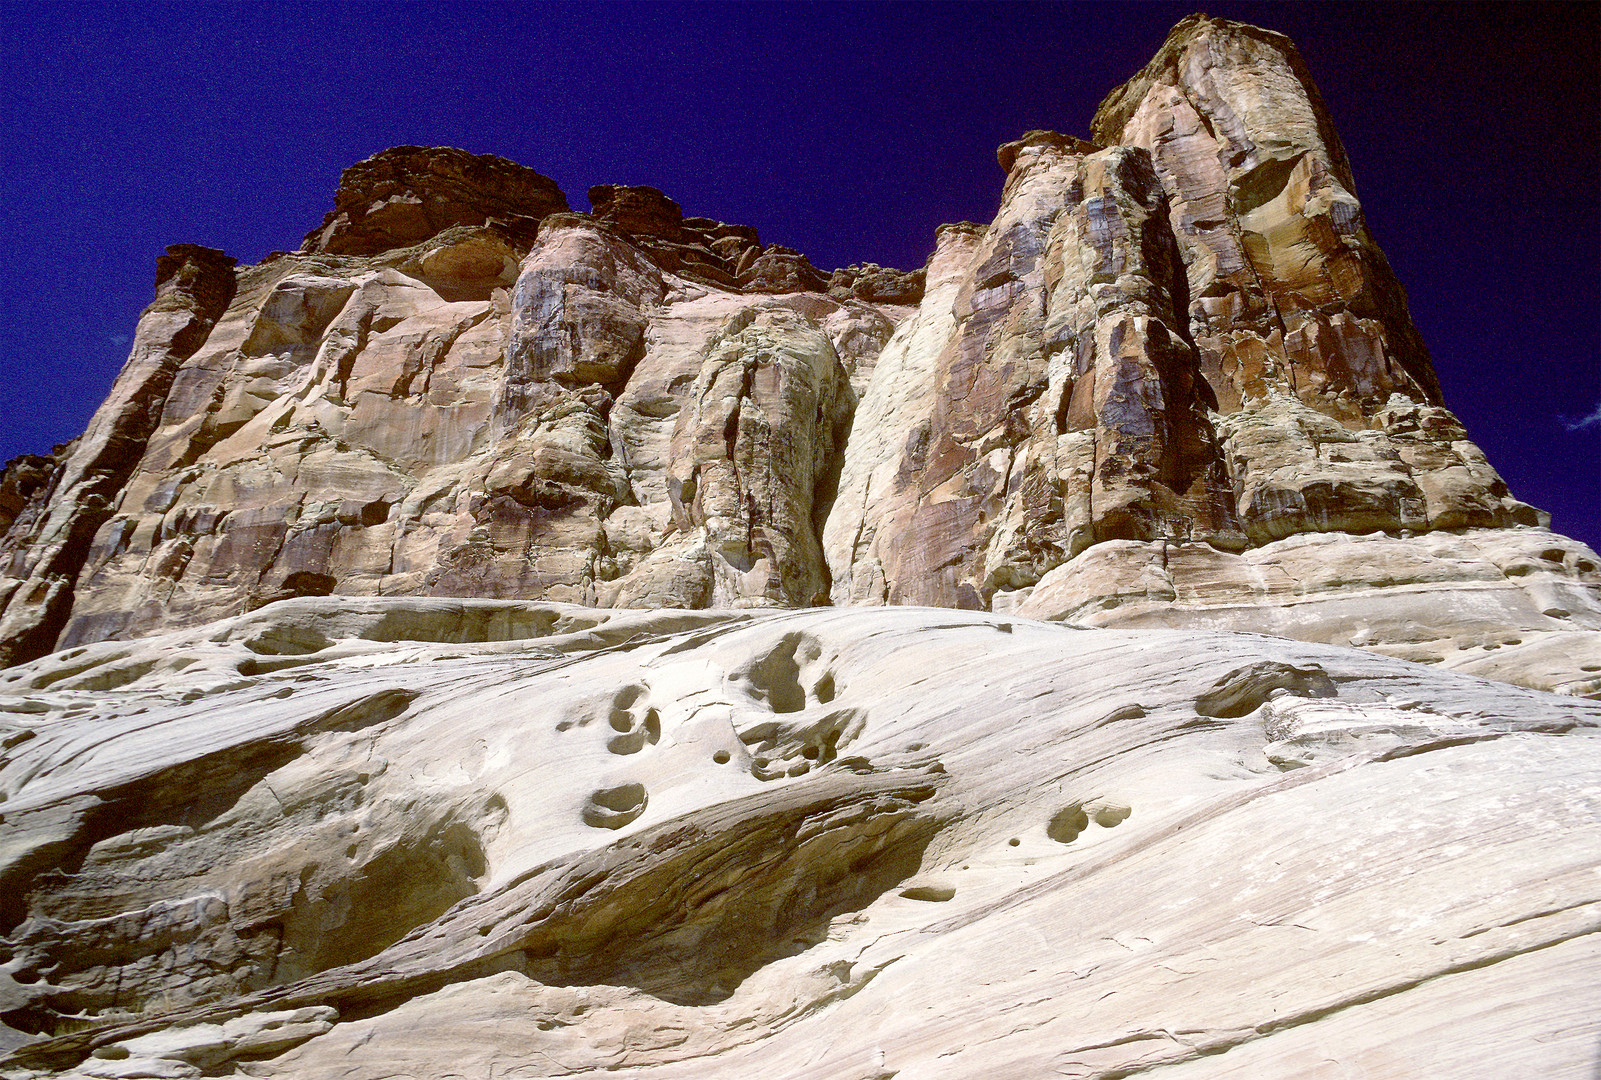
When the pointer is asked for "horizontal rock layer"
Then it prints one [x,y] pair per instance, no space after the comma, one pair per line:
[425,837]
[1507,604]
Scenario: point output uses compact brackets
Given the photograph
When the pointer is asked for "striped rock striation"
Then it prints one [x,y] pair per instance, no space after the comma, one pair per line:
[352,837]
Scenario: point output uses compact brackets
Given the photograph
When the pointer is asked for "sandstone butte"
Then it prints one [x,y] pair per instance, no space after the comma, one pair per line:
[502,641]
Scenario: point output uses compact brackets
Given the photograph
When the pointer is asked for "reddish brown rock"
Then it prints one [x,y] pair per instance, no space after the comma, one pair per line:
[406,194]
[877,284]
[778,269]
[25,484]
[638,211]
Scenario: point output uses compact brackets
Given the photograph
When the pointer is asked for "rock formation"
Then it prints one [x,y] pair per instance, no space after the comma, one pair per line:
[1178,334]
[497,639]
[366,837]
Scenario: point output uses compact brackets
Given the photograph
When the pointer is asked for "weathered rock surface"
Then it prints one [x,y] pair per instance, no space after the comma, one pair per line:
[24,481]
[194,286]
[456,418]
[1180,335]
[407,194]
[1187,335]
[362,837]
[356,761]
[1511,604]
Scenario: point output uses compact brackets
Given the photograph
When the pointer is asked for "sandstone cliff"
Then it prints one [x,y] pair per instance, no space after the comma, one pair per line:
[1179,335]
[499,640]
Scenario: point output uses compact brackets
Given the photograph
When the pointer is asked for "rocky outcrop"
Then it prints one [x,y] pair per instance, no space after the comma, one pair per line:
[1176,337]
[1507,604]
[351,837]
[458,418]
[755,453]
[876,284]
[1060,408]
[194,286]
[1291,303]
[25,483]
[408,194]
[1187,334]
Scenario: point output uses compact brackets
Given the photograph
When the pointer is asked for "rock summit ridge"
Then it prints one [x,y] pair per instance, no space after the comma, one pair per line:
[407,194]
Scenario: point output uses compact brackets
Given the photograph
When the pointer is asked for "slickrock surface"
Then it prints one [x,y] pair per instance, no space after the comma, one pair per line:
[421,837]
[501,640]
[1501,603]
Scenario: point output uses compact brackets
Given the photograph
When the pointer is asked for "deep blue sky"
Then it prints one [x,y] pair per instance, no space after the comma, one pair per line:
[848,131]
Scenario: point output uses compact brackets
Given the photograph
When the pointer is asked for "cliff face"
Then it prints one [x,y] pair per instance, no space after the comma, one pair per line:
[1187,336]
[359,760]
[1177,342]
[625,407]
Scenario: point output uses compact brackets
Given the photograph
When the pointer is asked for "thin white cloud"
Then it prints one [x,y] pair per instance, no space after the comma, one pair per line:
[1590,421]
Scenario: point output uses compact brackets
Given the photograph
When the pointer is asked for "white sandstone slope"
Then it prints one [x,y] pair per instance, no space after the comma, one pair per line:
[1520,605]
[369,838]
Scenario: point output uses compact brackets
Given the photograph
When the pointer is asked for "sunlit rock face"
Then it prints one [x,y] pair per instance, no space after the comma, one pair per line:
[1186,335]
[365,837]
[501,640]
[461,417]
[1179,333]
[498,640]
[1501,603]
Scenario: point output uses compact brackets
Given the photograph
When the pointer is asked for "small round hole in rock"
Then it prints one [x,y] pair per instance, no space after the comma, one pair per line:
[721,757]
[1067,823]
[612,808]
[1013,842]
[824,690]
